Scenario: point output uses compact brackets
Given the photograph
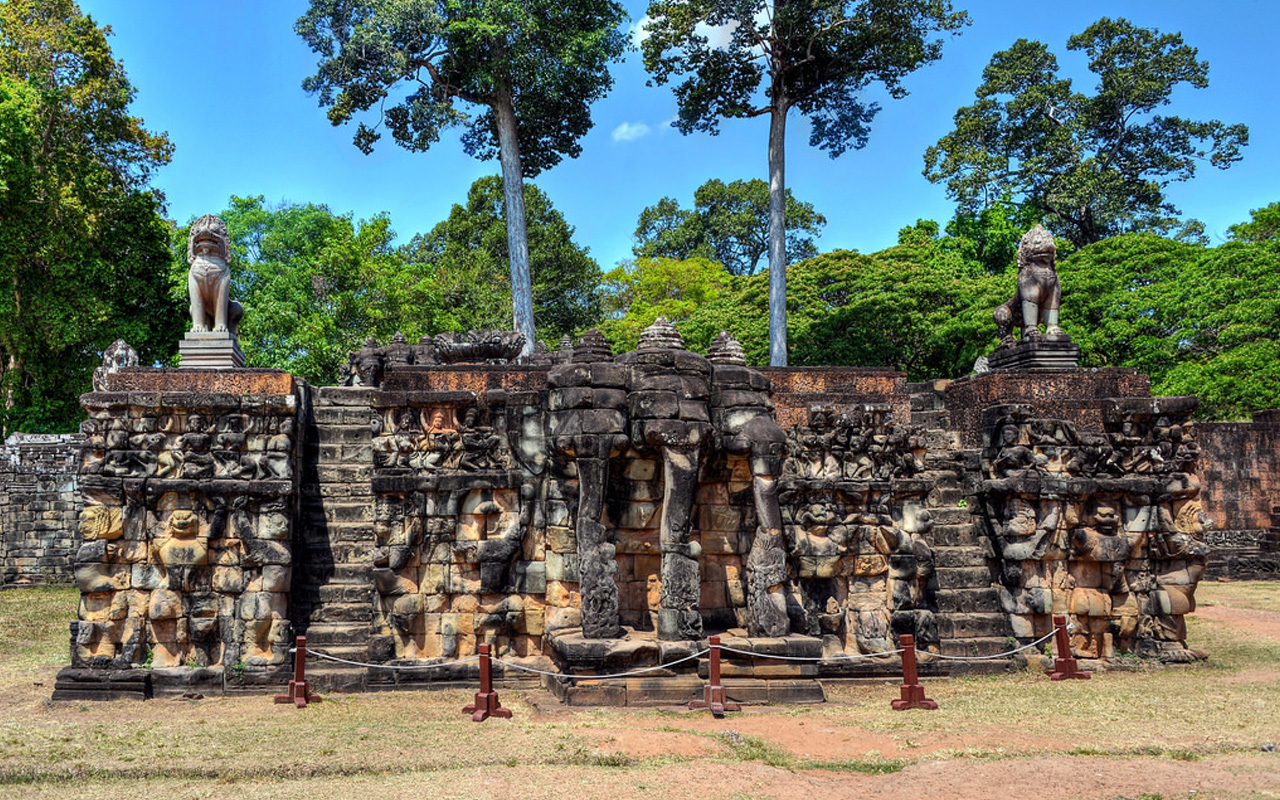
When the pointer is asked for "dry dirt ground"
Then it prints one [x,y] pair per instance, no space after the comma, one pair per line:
[1154,735]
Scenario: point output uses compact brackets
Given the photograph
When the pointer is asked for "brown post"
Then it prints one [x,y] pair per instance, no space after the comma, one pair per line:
[1064,666]
[912,691]
[713,694]
[486,704]
[299,693]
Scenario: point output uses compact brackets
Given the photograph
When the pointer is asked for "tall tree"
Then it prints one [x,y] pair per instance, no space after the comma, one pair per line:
[532,67]
[1092,165]
[816,56]
[729,223]
[84,255]
[315,284]
[466,254]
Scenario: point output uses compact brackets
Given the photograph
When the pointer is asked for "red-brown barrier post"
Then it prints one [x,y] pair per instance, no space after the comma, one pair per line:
[299,693]
[912,691]
[486,704]
[714,696]
[1064,666]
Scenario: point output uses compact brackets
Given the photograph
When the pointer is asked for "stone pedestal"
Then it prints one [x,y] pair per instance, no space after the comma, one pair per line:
[1044,352]
[210,350]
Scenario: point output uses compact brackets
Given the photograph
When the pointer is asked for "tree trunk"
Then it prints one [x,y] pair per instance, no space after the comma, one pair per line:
[778,232]
[513,199]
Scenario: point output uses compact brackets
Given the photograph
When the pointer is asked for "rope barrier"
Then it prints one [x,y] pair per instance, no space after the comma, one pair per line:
[640,671]
[843,656]
[314,652]
[1006,654]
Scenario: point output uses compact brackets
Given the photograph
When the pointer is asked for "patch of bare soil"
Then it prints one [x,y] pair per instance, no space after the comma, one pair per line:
[1253,622]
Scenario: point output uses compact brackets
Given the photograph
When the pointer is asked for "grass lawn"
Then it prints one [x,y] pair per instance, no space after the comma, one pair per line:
[1156,732]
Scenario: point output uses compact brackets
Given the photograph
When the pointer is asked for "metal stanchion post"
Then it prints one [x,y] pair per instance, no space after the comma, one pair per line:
[912,691]
[299,693]
[486,704]
[1064,666]
[713,694]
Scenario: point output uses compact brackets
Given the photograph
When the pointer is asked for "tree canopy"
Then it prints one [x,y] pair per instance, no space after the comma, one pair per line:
[817,57]
[315,284]
[1202,321]
[466,255]
[1094,165]
[729,223]
[638,292]
[532,67]
[1263,225]
[84,255]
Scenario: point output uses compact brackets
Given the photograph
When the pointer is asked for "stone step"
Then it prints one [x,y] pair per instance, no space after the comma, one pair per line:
[964,577]
[325,634]
[968,601]
[345,574]
[345,453]
[344,593]
[951,516]
[977,647]
[971,556]
[955,535]
[345,473]
[328,416]
[330,396]
[338,613]
[985,625]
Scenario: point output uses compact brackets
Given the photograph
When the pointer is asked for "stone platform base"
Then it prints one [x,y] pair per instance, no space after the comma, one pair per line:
[1044,352]
[92,684]
[77,683]
[678,691]
[210,351]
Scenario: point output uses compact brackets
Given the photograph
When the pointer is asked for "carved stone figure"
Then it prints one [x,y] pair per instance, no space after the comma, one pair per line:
[1038,296]
[116,357]
[209,279]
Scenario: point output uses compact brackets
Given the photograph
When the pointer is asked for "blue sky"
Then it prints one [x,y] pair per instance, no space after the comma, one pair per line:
[224,79]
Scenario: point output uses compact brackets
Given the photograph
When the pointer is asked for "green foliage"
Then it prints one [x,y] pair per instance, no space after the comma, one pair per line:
[915,307]
[1093,165]
[1112,304]
[408,61]
[314,284]
[467,256]
[729,223]
[637,293]
[84,255]
[1200,321]
[1263,225]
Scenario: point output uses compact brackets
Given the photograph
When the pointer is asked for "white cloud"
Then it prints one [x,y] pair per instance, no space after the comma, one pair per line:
[718,36]
[640,31]
[629,131]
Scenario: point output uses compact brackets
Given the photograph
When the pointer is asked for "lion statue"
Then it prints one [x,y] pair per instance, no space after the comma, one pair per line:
[209,280]
[1038,295]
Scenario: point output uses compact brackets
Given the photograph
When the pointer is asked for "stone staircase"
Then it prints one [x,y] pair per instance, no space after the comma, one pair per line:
[334,601]
[970,620]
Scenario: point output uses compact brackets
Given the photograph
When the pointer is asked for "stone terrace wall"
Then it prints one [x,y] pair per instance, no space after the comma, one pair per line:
[39,503]
[1240,479]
